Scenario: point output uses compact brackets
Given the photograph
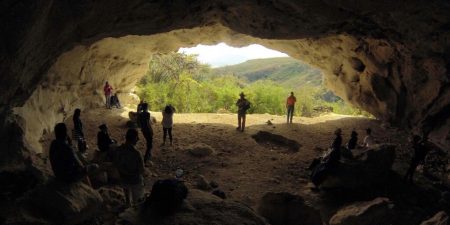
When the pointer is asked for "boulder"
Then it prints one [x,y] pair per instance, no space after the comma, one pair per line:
[63,203]
[200,150]
[441,218]
[113,197]
[368,167]
[375,212]
[288,209]
[199,208]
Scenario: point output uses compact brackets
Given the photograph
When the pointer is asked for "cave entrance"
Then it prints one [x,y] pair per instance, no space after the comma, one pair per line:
[209,78]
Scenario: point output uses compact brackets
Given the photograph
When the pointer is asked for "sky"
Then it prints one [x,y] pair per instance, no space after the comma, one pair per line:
[222,54]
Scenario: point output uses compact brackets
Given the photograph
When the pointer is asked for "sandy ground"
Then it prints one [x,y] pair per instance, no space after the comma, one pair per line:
[243,168]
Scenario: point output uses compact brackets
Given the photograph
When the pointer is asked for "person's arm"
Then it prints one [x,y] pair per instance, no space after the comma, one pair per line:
[140,163]
[148,120]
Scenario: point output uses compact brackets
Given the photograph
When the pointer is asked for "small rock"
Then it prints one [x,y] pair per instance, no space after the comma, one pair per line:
[213,184]
[219,193]
[287,209]
[200,150]
[202,183]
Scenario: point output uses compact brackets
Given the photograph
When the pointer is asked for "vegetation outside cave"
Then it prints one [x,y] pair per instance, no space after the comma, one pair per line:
[193,87]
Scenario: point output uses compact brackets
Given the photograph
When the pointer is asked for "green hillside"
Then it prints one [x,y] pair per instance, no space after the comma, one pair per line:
[286,71]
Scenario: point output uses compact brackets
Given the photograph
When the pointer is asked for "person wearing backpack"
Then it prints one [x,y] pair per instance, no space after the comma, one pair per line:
[243,105]
[130,165]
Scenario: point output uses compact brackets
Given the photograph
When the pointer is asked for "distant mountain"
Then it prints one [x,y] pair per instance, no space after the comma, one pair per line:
[286,71]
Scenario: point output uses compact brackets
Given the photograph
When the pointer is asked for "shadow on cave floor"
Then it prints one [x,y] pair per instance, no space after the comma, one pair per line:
[245,169]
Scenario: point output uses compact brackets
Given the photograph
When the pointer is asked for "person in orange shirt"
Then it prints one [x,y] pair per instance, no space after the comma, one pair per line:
[290,103]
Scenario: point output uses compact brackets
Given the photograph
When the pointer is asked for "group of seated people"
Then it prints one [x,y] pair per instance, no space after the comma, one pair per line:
[322,165]
[126,159]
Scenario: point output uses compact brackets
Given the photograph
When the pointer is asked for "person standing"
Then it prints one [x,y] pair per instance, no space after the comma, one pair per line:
[290,103]
[147,131]
[78,133]
[131,169]
[108,92]
[167,123]
[243,105]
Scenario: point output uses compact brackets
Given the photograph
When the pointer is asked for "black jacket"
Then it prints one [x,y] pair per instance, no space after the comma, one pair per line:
[65,165]
[103,141]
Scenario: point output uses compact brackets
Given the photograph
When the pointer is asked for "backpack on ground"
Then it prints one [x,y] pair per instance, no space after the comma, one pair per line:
[166,197]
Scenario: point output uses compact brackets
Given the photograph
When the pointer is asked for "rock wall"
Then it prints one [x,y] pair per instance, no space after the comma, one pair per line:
[389,58]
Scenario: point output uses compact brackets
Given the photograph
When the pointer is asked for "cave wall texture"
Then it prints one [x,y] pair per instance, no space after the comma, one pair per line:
[390,58]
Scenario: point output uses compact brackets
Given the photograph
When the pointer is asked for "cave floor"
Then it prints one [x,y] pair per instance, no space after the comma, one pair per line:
[243,168]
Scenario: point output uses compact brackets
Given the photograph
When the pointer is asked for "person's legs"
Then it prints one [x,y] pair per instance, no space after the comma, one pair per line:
[410,173]
[149,142]
[290,113]
[169,130]
[137,193]
[165,130]
[291,108]
[108,101]
[288,110]
[243,122]
[127,193]
[239,121]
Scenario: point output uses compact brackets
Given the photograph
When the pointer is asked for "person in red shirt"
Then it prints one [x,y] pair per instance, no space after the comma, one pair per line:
[290,103]
[108,92]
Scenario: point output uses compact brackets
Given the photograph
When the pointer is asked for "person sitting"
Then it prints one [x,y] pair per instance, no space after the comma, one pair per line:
[353,142]
[104,141]
[369,140]
[321,166]
[346,151]
[130,164]
[420,152]
[115,101]
[65,165]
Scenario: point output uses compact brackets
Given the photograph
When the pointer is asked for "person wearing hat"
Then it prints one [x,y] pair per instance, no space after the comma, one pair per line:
[103,139]
[243,105]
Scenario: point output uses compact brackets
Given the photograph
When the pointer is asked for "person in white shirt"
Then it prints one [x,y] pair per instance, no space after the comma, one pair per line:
[369,140]
[167,123]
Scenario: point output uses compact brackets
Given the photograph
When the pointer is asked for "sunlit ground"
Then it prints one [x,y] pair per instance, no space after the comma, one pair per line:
[231,118]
